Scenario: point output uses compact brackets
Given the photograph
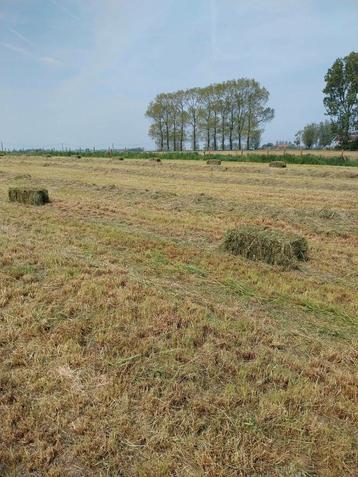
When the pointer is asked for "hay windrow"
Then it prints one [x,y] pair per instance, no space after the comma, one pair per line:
[265,244]
[29,196]
[278,164]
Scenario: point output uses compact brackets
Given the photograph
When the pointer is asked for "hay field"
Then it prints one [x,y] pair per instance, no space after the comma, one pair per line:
[132,345]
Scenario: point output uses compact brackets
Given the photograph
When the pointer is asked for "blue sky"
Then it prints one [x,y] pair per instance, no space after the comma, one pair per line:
[81,72]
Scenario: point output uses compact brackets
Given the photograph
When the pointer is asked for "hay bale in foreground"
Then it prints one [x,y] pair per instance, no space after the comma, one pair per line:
[278,164]
[272,246]
[28,196]
[213,162]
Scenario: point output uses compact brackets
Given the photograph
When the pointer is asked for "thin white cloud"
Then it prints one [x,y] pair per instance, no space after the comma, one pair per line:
[15,48]
[20,35]
[49,60]
[66,10]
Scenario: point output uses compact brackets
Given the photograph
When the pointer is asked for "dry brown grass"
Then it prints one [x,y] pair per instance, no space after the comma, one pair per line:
[295,152]
[131,345]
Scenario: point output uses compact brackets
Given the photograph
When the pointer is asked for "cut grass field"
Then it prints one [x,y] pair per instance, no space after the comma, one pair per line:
[131,344]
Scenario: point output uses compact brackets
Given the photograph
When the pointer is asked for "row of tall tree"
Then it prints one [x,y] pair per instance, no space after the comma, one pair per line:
[229,115]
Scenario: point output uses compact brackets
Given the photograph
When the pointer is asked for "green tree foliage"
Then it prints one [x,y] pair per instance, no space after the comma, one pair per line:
[298,138]
[310,135]
[341,97]
[219,116]
[315,135]
[325,134]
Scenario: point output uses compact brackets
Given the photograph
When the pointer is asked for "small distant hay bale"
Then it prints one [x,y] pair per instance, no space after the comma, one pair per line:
[79,156]
[155,159]
[213,162]
[28,196]
[272,246]
[278,164]
[22,176]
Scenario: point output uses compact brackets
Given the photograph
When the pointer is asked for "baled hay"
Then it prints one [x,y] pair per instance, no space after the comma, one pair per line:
[278,164]
[272,246]
[22,176]
[213,162]
[155,159]
[28,196]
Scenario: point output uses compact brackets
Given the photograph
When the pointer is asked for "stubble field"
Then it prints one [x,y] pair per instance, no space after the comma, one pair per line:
[132,345]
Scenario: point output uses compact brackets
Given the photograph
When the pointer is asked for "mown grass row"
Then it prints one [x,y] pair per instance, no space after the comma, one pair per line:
[258,158]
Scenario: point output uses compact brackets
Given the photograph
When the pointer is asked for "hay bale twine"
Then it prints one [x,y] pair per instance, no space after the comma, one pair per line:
[272,246]
[213,162]
[278,164]
[28,196]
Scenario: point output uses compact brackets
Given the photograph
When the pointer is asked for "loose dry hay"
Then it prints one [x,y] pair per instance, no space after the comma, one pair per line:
[278,164]
[213,162]
[29,196]
[269,245]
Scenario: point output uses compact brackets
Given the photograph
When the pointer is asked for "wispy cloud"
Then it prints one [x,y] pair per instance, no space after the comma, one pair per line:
[65,10]
[49,60]
[15,48]
[20,35]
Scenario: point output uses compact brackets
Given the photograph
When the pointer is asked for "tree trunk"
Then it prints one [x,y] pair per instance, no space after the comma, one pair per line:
[223,132]
[174,136]
[194,132]
[167,138]
[215,131]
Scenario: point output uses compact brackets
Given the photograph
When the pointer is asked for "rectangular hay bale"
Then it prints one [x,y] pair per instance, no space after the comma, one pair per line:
[28,196]
[213,162]
[272,246]
[278,164]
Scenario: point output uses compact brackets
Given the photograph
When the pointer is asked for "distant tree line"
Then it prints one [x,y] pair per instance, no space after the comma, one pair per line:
[222,116]
[319,135]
